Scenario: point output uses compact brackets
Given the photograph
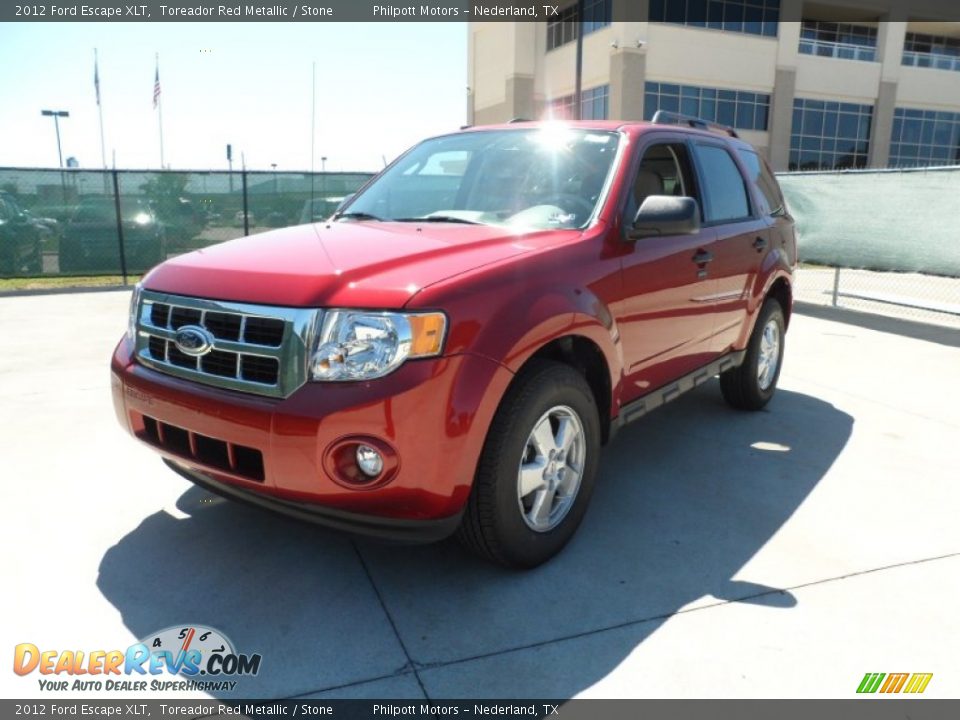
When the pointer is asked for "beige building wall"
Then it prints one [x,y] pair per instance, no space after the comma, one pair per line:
[513,75]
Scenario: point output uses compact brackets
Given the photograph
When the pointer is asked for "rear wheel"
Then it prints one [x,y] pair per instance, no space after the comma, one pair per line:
[751,385]
[537,469]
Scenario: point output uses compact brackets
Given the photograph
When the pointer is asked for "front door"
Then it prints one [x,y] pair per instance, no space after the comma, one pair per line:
[665,318]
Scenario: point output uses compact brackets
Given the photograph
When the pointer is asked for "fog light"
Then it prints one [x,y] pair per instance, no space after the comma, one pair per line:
[369,460]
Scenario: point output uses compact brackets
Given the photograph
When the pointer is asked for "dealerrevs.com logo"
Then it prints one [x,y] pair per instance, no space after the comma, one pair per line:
[201,657]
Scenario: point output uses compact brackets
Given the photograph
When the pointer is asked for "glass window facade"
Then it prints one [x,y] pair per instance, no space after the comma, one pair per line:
[924,138]
[736,108]
[932,51]
[829,135]
[838,40]
[565,26]
[755,17]
[594,104]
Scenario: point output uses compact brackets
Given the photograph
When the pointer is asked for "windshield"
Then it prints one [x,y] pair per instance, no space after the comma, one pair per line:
[547,177]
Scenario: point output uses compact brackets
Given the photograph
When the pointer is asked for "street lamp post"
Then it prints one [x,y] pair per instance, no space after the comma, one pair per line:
[56,115]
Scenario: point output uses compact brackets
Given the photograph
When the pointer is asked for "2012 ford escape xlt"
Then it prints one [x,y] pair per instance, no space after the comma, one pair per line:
[449,352]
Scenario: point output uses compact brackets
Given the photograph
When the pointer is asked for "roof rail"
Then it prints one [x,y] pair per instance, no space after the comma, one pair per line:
[664,117]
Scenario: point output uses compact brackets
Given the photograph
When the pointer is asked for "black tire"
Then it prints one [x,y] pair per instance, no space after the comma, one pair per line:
[494,524]
[741,386]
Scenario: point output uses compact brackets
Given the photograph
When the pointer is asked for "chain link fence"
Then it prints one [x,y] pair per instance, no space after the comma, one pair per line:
[123,222]
[881,241]
[878,241]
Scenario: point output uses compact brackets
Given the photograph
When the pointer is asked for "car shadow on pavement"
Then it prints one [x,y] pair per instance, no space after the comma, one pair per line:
[686,496]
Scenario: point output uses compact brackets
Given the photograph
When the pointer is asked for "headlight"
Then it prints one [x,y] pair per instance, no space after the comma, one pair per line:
[359,345]
[134,309]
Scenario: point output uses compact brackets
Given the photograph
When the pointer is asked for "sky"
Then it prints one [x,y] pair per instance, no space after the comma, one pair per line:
[380,87]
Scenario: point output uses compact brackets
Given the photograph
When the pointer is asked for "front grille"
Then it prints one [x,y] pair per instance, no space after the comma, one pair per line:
[253,348]
[240,460]
[264,331]
[227,327]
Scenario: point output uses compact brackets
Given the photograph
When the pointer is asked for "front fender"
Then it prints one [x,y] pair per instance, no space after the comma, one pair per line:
[508,311]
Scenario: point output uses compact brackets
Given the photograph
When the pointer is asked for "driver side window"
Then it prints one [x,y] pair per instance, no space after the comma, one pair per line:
[664,170]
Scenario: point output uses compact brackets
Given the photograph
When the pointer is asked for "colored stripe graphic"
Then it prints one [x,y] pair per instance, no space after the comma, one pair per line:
[894,683]
[918,683]
[870,682]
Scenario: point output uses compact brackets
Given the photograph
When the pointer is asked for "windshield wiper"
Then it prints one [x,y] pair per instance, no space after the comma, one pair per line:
[357,216]
[439,218]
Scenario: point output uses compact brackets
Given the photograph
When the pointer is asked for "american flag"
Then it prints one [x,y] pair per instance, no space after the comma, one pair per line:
[156,86]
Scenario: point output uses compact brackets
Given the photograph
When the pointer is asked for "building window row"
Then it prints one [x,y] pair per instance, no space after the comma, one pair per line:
[932,51]
[838,40]
[924,138]
[594,105]
[829,135]
[736,108]
[755,17]
[597,14]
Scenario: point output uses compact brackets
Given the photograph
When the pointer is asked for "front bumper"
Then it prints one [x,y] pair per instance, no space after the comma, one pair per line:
[433,414]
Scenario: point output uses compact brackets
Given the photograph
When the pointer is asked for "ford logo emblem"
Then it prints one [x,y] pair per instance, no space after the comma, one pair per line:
[193,340]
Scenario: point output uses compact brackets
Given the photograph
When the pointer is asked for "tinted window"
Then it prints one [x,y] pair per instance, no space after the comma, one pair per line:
[764,181]
[725,193]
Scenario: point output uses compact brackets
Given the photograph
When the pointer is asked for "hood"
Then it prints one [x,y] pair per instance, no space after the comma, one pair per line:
[342,264]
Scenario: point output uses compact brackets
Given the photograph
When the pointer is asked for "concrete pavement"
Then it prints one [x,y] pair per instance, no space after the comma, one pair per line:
[777,554]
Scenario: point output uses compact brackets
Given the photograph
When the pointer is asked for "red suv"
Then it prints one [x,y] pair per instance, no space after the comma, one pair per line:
[451,350]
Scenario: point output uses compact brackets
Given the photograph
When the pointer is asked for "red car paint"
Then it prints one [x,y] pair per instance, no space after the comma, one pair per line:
[506,295]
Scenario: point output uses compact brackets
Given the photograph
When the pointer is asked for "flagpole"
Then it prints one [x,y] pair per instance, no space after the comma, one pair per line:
[159,99]
[96,77]
[313,130]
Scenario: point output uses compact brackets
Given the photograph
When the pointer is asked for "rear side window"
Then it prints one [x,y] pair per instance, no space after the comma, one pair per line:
[764,181]
[725,194]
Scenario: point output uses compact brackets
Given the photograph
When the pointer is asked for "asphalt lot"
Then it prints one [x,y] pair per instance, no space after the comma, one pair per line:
[777,554]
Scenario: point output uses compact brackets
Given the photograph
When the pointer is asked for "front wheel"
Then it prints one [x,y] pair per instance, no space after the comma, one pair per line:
[751,385]
[537,468]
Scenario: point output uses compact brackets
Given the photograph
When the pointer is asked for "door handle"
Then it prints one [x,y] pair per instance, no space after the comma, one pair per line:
[759,244]
[702,257]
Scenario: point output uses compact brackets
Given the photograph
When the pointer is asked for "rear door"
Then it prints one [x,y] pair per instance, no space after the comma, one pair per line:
[741,238]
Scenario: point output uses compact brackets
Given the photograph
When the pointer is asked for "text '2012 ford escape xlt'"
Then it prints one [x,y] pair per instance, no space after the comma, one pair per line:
[451,350]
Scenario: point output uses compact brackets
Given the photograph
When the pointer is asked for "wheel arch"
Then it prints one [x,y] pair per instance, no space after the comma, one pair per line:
[586,357]
[782,292]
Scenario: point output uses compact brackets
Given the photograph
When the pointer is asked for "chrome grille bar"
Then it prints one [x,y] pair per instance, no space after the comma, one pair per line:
[272,362]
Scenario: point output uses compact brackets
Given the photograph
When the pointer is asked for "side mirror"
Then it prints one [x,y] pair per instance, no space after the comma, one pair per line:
[666,215]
